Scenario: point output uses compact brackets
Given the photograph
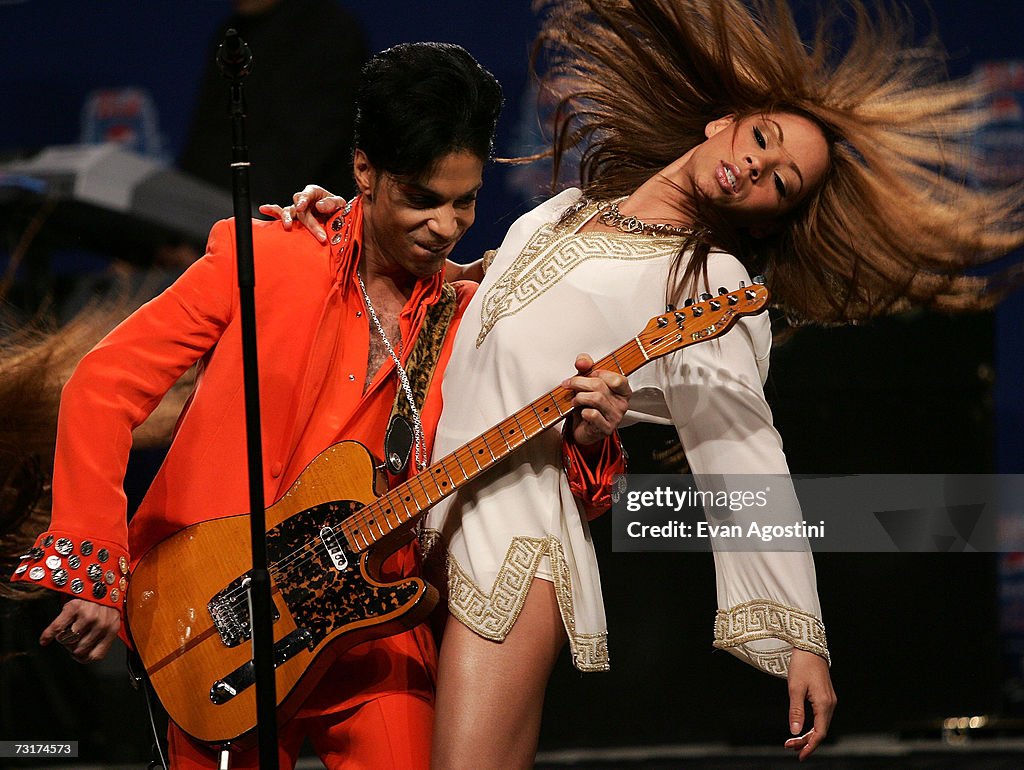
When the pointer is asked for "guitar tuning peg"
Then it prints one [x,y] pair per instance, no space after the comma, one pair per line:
[743,284]
[733,299]
[669,307]
[698,311]
[689,301]
[662,322]
[705,297]
[722,290]
[715,304]
[750,294]
[759,280]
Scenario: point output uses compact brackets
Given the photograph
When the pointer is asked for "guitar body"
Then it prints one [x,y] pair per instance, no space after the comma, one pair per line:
[187,605]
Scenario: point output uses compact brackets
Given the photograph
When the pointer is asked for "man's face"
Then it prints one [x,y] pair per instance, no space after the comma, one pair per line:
[412,224]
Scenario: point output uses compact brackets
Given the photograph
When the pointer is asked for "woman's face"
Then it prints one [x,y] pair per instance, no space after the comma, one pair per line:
[756,170]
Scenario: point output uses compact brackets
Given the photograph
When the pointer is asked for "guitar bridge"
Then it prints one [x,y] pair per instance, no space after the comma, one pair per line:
[334,550]
[229,610]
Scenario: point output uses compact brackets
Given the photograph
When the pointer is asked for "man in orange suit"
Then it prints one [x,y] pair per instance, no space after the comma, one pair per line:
[338,324]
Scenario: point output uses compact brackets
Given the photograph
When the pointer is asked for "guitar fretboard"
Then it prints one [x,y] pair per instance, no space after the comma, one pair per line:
[663,334]
[411,498]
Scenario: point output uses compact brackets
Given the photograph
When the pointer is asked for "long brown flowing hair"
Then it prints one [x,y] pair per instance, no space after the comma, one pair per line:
[894,223]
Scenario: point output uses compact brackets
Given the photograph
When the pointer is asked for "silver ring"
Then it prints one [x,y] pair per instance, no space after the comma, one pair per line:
[68,636]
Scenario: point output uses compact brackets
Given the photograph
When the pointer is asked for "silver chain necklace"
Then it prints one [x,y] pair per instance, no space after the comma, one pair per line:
[417,426]
[609,214]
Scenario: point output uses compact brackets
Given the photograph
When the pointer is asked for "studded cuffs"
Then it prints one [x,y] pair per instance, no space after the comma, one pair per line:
[96,570]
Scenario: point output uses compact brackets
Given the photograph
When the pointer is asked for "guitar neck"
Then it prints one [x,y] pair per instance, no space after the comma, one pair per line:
[411,498]
[663,334]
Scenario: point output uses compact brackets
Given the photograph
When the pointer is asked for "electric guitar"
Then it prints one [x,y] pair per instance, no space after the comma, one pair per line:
[187,606]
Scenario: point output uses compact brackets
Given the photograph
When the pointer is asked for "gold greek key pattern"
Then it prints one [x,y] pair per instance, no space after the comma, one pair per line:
[774,662]
[760,619]
[492,615]
[590,652]
[552,252]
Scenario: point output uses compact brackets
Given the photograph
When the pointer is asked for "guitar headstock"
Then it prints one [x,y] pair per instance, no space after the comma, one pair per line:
[704,320]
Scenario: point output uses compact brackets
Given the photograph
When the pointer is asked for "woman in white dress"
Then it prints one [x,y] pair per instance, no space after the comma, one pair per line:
[716,145]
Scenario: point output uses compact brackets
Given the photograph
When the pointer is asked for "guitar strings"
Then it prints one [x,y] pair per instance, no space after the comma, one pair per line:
[304,553]
[366,517]
[285,566]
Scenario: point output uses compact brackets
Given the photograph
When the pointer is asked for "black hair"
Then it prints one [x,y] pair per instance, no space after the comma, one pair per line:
[419,102]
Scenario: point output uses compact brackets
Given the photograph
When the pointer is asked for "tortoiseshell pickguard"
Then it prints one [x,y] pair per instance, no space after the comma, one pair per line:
[320,598]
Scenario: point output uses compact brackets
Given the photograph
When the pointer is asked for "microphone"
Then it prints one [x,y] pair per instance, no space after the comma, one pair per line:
[234,57]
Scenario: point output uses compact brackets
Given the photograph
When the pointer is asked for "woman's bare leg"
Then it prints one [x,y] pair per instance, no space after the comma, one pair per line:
[490,695]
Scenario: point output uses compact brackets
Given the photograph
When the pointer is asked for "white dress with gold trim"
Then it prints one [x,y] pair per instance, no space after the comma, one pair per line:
[552,292]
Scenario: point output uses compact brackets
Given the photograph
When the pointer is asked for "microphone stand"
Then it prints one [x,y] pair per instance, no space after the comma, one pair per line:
[235,61]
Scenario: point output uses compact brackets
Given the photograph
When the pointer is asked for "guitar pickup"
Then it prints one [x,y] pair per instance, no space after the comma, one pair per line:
[334,550]
[244,676]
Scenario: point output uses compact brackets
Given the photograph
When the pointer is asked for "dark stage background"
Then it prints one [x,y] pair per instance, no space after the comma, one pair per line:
[914,637]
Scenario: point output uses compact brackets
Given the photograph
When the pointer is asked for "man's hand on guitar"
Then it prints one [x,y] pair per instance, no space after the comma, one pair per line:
[85,629]
[602,398]
[312,206]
